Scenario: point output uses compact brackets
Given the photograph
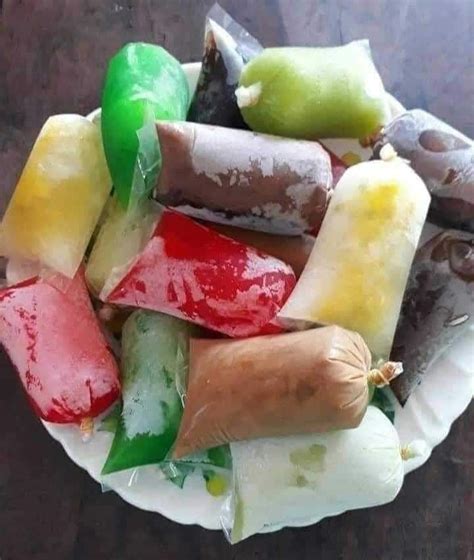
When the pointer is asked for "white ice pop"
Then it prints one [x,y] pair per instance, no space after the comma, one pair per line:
[302,479]
[356,274]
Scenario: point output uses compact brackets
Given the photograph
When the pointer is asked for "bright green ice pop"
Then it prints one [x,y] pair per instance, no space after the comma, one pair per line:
[143,83]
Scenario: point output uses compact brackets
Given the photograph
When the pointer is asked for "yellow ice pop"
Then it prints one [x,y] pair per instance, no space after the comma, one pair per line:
[59,197]
[357,271]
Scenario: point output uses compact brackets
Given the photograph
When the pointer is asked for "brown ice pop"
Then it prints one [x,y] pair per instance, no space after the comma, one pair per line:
[293,250]
[438,306]
[276,385]
[244,179]
[443,157]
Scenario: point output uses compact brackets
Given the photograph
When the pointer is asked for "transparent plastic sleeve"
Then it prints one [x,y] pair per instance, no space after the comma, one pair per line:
[227,47]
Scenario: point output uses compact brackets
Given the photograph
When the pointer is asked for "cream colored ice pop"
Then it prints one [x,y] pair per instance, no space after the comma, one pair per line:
[356,274]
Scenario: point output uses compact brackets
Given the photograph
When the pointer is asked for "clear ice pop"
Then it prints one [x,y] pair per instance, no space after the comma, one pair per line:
[122,235]
[357,272]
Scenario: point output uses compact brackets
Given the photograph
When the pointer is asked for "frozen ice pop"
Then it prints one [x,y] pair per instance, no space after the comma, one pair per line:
[357,271]
[254,181]
[189,271]
[303,382]
[443,157]
[122,235]
[227,47]
[293,250]
[303,92]
[438,306]
[59,197]
[302,479]
[49,330]
[143,83]
[154,351]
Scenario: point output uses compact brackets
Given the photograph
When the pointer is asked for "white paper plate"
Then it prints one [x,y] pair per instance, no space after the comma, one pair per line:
[445,393]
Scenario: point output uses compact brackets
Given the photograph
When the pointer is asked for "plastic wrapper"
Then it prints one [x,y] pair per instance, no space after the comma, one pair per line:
[311,381]
[302,479]
[154,349]
[194,273]
[254,181]
[438,306]
[3,270]
[227,47]
[338,167]
[215,465]
[302,92]
[443,157]
[293,250]
[357,271]
[49,330]
[19,270]
[59,197]
[121,237]
[143,83]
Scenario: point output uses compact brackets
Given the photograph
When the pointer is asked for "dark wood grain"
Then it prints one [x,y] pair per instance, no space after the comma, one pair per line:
[52,58]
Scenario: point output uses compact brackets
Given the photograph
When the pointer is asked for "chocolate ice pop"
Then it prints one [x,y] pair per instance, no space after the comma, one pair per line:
[443,157]
[438,306]
[241,178]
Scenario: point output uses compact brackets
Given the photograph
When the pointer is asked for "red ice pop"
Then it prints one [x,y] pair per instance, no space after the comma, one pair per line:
[49,330]
[194,273]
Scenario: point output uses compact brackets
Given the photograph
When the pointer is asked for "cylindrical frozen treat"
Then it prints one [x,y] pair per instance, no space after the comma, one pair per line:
[227,47]
[438,306]
[191,272]
[154,355]
[293,250]
[301,92]
[294,383]
[51,334]
[241,178]
[443,157]
[305,478]
[357,271]
[59,197]
[143,83]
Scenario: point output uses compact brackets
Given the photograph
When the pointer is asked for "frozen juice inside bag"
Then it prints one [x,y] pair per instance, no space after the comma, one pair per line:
[254,181]
[227,47]
[325,92]
[52,336]
[154,353]
[194,273]
[438,306]
[443,157]
[357,271]
[59,197]
[143,83]
[122,235]
[302,479]
[310,381]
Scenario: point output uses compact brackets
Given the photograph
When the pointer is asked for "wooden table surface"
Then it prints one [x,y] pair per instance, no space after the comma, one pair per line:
[52,59]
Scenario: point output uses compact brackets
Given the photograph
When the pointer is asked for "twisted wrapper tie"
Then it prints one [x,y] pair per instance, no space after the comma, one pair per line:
[382,376]
[416,448]
[87,428]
